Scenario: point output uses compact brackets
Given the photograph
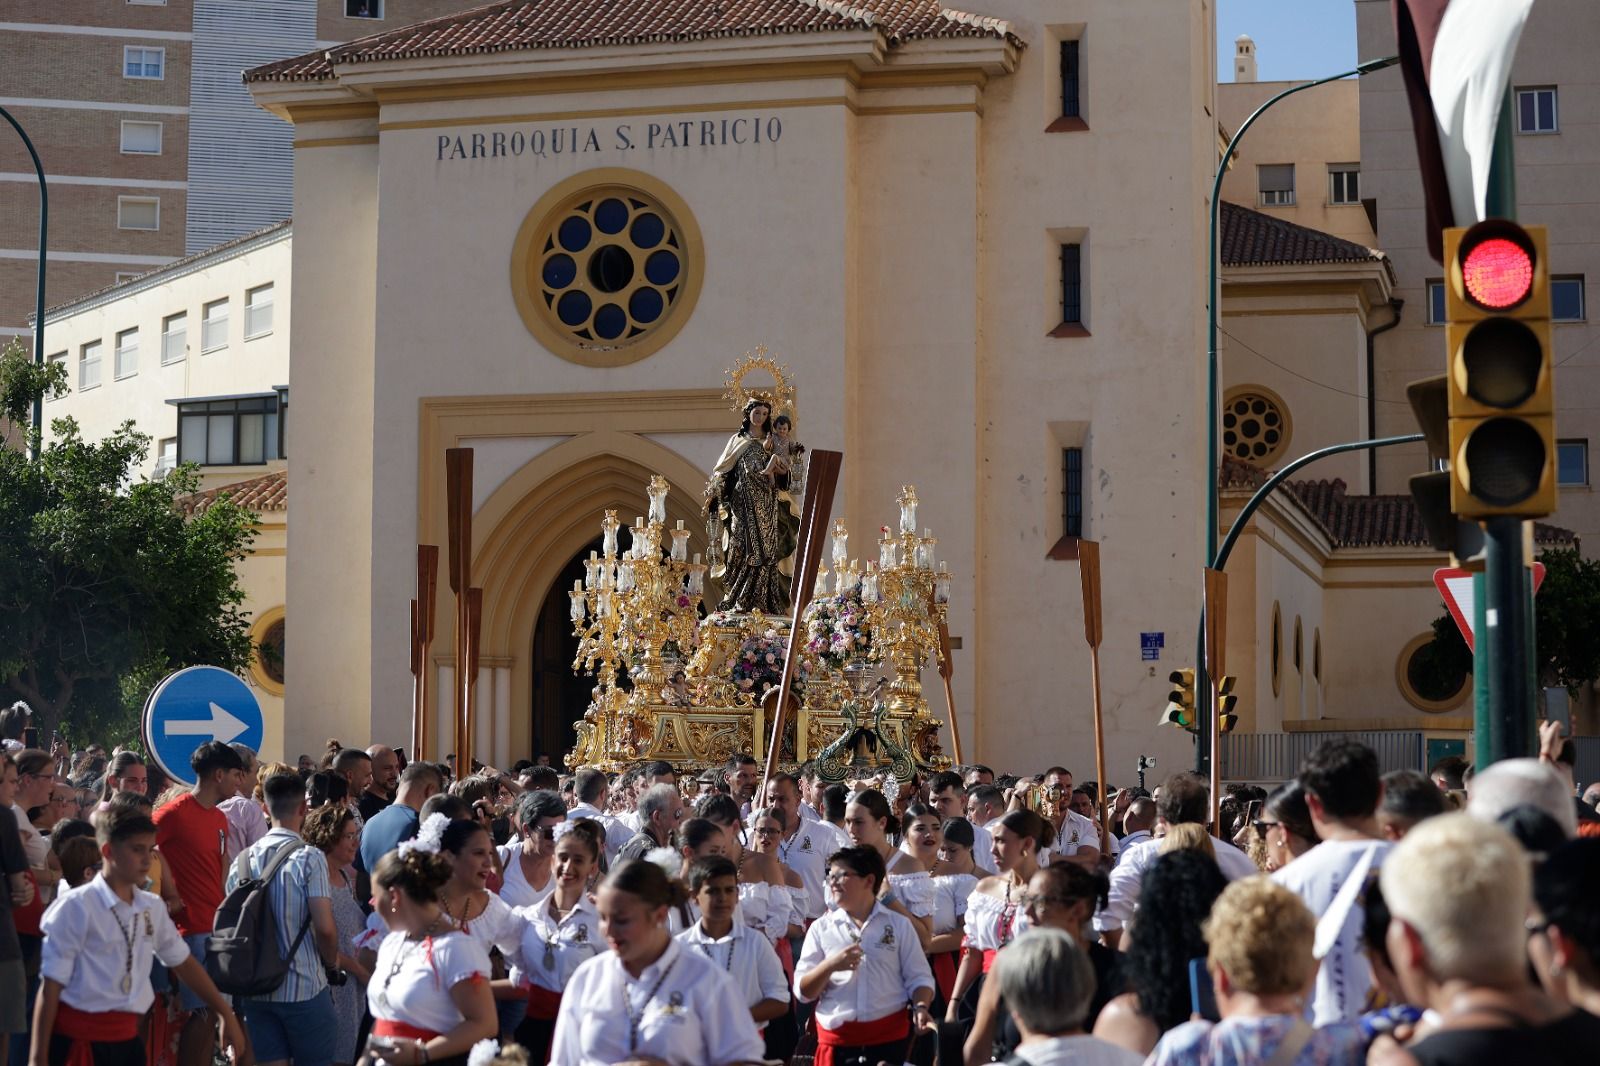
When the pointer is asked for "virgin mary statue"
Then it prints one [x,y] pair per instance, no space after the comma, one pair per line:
[751,528]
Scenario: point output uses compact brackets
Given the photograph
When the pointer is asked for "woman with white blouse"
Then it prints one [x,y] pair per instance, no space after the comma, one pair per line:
[907,888]
[862,964]
[763,890]
[429,995]
[563,933]
[528,861]
[768,826]
[466,898]
[650,999]
[995,914]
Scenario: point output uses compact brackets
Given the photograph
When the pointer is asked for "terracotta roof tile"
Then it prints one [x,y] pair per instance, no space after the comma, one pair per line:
[525,25]
[270,492]
[1250,238]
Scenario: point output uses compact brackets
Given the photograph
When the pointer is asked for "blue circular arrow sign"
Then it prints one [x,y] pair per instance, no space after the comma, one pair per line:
[196,705]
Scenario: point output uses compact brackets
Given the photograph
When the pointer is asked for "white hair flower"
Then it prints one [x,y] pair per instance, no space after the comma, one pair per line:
[484,1052]
[668,859]
[428,837]
[563,829]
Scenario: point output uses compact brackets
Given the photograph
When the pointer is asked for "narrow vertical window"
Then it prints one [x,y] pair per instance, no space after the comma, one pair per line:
[1072,284]
[1072,492]
[1069,80]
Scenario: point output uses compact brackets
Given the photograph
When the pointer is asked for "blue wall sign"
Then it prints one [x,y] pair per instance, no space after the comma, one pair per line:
[196,705]
[1150,645]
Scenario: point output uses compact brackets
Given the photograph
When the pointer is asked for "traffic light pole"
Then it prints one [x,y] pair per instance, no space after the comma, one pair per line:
[1204,708]
[1504,724]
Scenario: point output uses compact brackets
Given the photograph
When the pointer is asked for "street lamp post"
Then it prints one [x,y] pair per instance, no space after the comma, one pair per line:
[1202,683]
[38,305]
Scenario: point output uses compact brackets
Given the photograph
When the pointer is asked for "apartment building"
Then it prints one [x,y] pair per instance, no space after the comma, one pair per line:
[151,146]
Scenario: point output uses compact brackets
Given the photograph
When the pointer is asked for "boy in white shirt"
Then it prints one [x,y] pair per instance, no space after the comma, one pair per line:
[98,942]
[742,953]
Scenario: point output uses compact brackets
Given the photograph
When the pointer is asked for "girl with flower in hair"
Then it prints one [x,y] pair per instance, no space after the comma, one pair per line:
[562,933]
[429,995]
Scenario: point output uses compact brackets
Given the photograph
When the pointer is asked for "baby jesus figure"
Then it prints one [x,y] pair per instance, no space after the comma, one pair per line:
[784,448]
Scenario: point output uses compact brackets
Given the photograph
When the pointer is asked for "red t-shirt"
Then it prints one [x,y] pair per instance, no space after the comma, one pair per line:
[193,843]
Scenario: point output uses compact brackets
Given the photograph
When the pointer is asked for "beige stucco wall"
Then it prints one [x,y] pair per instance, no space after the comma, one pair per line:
[1310,129]
[896,249]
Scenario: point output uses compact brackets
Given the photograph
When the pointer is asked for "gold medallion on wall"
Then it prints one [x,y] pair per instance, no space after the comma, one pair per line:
[607,267]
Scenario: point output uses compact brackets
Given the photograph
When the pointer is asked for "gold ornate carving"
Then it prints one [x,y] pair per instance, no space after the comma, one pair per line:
[780,394]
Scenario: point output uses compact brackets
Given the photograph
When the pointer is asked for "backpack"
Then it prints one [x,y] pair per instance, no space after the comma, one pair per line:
[242,952]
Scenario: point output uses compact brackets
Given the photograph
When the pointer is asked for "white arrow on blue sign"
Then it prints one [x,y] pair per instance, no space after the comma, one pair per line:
[196,705]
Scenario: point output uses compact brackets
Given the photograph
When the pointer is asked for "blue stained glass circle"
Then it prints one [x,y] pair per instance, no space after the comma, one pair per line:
[573,308]
[648,230]
[661,268]
[609,322]
[646,305]
[611,216]
[574,234]
[559,270]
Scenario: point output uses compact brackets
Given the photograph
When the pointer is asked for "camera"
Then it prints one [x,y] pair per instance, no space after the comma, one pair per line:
[337,977]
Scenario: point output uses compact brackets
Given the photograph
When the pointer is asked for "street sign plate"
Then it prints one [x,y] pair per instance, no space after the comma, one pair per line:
[193,706]
[1456,587]
[1150,645]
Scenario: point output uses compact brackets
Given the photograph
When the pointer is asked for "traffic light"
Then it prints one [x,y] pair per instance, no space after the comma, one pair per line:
[1226,702]
[1497,335]
[1180,701]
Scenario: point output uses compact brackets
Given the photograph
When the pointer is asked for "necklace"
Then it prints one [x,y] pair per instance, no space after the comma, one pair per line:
[635,1021]
[466,909]
[1008,918]
[401,958]
[550,945]
[727,964]
[127,935]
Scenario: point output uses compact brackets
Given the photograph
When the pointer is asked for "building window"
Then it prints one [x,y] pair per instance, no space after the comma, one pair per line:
[1277,650]
[267,634]
[1566,298]
[1316,655]
[1072,492]
[214,325]
[124,276]
[363,9]
[89,366]
[1435,302]
[59,359]
[139,212]
[174,338]
[1255,425]
[1431,677]
[1276,182]
[1299,647]
[240,432]
[1072,284]
[141,138]
[144,63]
[258,311]
[1536,110]
[127,358]
[1572,462]
[1344,183]
[1070,106]
[166,457]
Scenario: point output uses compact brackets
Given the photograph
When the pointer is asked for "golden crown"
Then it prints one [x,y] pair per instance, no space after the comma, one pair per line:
[779,395]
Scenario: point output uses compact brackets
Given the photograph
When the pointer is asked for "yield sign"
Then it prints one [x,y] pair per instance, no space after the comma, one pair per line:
[1456,586]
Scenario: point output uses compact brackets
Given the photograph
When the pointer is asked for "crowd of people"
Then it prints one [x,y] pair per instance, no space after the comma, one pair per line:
[362,909]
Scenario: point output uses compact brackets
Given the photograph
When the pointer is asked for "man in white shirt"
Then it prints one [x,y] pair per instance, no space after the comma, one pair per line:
[1076,838]
[590,789]
[1343,788]
[805,846]
[1136,824]
[811,788]
[1047,982]
[986,805]
[1184,797]
[653,773]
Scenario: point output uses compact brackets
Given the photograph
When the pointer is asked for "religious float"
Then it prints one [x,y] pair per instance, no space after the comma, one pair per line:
[693,682]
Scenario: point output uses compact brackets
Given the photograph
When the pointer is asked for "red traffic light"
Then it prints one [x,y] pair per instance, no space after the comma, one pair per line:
[1497,273]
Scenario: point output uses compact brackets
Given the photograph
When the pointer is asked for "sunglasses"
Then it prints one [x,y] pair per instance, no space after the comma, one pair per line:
[1263,827]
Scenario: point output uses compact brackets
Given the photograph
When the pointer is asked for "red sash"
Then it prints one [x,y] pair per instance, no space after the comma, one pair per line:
[543,1004]
[384,1027]
[886,1030]
[988,959]
[944,972]
[785,952]
[85,1029]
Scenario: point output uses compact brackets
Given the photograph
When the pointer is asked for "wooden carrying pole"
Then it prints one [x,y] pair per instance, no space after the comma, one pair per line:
[822,479]
[458,492]
[1089,571]
[1216,591]
[947,669]
[422,609]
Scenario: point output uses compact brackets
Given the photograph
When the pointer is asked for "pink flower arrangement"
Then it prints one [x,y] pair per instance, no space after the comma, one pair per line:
[758,665]
[836,632]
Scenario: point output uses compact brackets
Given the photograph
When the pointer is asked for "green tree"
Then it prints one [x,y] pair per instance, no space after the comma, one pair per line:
[1566,617]
[105,584]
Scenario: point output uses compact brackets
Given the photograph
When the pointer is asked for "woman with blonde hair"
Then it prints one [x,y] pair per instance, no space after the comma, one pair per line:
[1188,836]
[1259,953]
